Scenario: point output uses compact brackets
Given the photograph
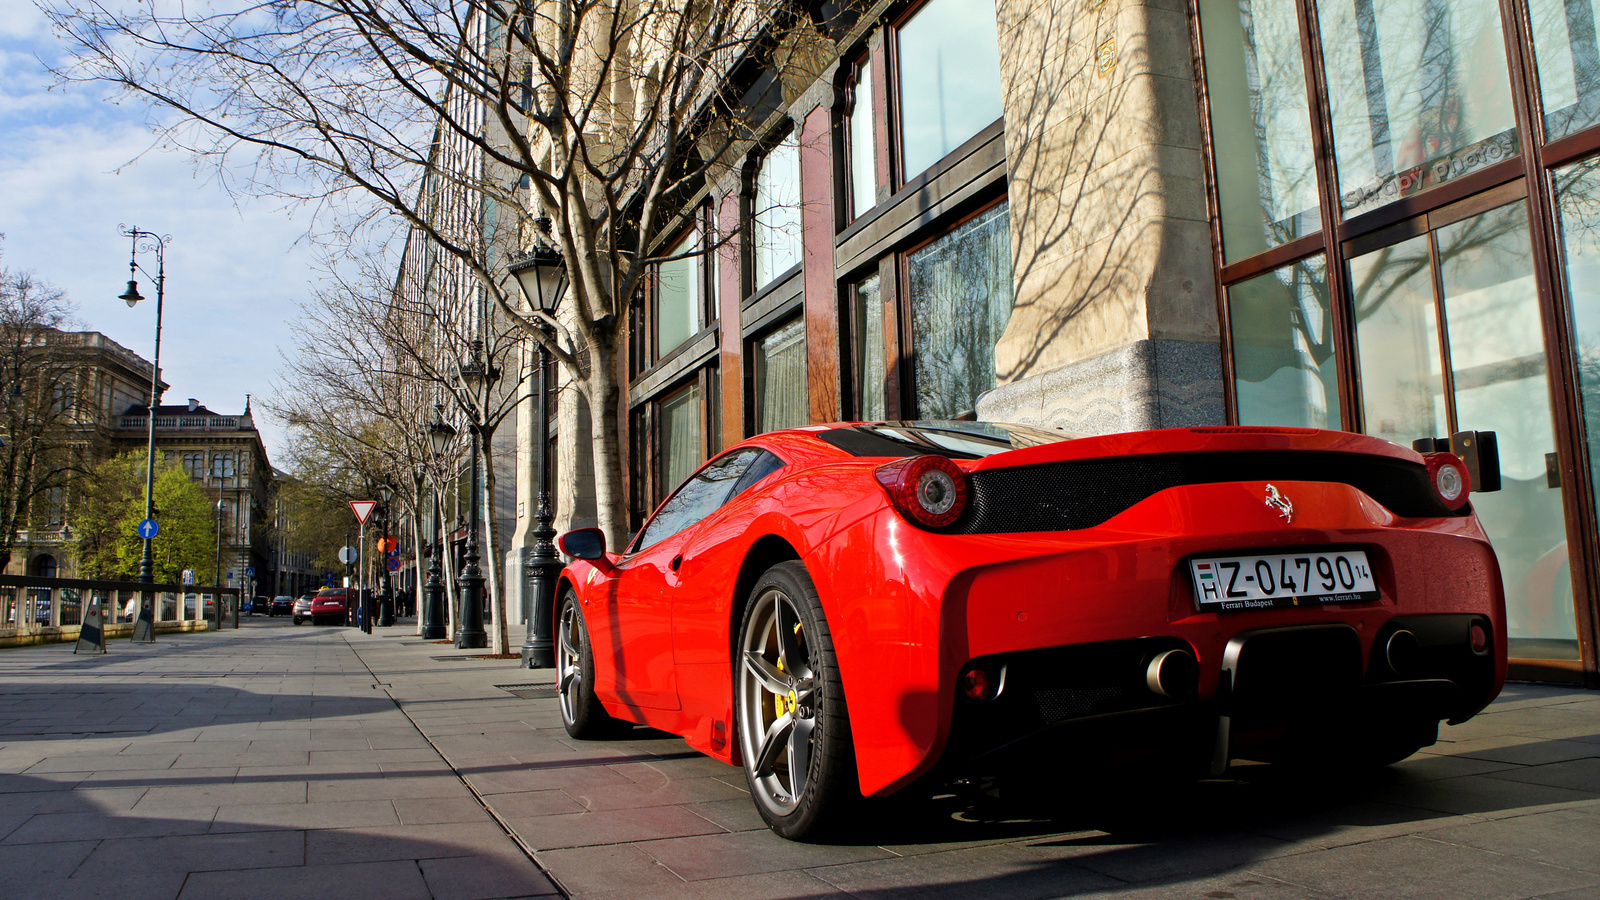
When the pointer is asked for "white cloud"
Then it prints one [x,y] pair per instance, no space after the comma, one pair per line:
[74,166]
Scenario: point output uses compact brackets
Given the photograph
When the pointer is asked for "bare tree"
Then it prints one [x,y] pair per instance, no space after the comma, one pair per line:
[609,115]
[39,407]
[372,366]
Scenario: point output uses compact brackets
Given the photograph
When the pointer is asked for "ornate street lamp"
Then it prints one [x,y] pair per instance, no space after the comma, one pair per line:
[216,579]
[476,377]
[157,244]
[542,275]
[440,433]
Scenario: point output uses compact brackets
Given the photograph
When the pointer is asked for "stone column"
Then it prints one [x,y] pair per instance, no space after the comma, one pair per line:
[1115,322]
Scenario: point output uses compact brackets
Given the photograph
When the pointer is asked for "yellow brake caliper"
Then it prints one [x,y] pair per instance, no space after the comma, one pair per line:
[780,703]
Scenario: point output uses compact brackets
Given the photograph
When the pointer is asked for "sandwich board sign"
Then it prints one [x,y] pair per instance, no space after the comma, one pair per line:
[91,637]
[363,509]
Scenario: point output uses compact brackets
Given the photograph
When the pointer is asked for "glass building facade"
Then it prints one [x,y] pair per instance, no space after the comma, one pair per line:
[1406,246]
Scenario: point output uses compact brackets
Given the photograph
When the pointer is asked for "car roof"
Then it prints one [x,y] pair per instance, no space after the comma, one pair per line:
[957,439]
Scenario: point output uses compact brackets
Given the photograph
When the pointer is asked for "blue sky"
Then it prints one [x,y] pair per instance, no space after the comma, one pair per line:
[74,164]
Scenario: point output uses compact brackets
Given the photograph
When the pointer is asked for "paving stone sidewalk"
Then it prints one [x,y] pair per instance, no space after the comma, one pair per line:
[308,762]
[1505,806]
[264,762]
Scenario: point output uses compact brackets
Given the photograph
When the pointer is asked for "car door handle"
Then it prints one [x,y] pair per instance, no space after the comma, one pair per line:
[677,561]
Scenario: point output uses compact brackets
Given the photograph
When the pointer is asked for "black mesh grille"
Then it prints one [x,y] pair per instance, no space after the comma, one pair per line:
[1084,493]
[1058,704]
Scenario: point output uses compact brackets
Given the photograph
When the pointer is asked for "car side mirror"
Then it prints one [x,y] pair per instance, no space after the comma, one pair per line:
[584,543]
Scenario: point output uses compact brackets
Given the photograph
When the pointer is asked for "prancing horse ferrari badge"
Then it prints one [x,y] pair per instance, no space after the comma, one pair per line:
[1279,502]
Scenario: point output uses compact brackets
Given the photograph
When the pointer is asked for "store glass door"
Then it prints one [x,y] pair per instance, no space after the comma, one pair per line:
[1448,339]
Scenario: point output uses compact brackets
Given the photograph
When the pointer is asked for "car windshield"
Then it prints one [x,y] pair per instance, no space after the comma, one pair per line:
[951,439]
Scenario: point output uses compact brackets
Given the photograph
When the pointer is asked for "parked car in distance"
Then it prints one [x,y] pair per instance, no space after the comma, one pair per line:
[331,606]
[282,605]
[188,605]
[260,605]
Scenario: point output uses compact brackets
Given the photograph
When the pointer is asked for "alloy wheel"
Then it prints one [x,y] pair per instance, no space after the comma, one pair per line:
[569,661]
[778,701]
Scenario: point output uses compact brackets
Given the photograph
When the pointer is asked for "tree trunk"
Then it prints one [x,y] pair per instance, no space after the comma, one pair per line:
[610,500]
[447,563]
[500,632]
[419,580]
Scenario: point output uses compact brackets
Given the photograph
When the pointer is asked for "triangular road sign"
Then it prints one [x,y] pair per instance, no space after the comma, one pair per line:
[363,509]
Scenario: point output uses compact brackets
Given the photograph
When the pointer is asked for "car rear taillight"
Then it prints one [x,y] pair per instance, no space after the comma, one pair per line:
[1448,475]
[931,491]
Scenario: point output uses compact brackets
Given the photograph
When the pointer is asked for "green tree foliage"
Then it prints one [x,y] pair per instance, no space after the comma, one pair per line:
[316,501]
[112,505]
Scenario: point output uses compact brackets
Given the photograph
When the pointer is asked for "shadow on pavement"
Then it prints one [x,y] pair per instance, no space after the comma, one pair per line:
[60,843]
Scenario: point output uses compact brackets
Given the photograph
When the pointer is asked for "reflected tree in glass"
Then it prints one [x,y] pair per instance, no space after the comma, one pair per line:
[1419,94]
[1281,324]
[1260,124]
[961,295]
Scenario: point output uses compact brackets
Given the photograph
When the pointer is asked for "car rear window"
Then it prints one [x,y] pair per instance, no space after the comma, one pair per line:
[952,439]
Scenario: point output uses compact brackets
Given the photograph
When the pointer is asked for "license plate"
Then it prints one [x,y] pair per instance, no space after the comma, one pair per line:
[1264,581]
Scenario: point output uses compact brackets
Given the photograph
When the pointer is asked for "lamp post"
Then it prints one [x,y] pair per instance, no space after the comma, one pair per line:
[157,244]
[440,434]
[386,601]
[216,579]
[476,376]
[542,275]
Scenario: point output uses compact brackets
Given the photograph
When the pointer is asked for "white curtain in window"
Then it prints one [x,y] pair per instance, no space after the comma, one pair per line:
[677,297]
[869,349]
[961,294]
[776,229]
[680,437]
[863,152]
[781,373]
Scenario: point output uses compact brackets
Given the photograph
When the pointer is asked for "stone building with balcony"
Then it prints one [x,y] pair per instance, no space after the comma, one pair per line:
[226,455]
[95,379]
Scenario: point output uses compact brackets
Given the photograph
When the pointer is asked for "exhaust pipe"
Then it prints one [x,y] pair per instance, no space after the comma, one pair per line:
[1402,652]
[1173,673]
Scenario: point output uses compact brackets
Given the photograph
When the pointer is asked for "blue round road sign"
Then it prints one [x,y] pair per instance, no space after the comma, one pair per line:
[149,528]
[394,564]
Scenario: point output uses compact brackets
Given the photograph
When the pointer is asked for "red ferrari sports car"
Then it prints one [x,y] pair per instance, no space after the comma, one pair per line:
[846,609]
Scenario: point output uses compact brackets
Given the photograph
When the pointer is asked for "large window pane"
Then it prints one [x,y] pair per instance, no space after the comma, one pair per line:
[1569,64]
[681,451]
[1578,199]
[961,292]
[781,397]
[776,229]
[949,79]
[677,298]
[863,149]
[1281,325]
[1497,363]
[1260,124]
[1397,343]
[1419,94]
[867,329]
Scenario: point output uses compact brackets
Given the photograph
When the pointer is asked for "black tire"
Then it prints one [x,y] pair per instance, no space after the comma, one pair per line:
[790,703]
[581,711]
[297,620]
